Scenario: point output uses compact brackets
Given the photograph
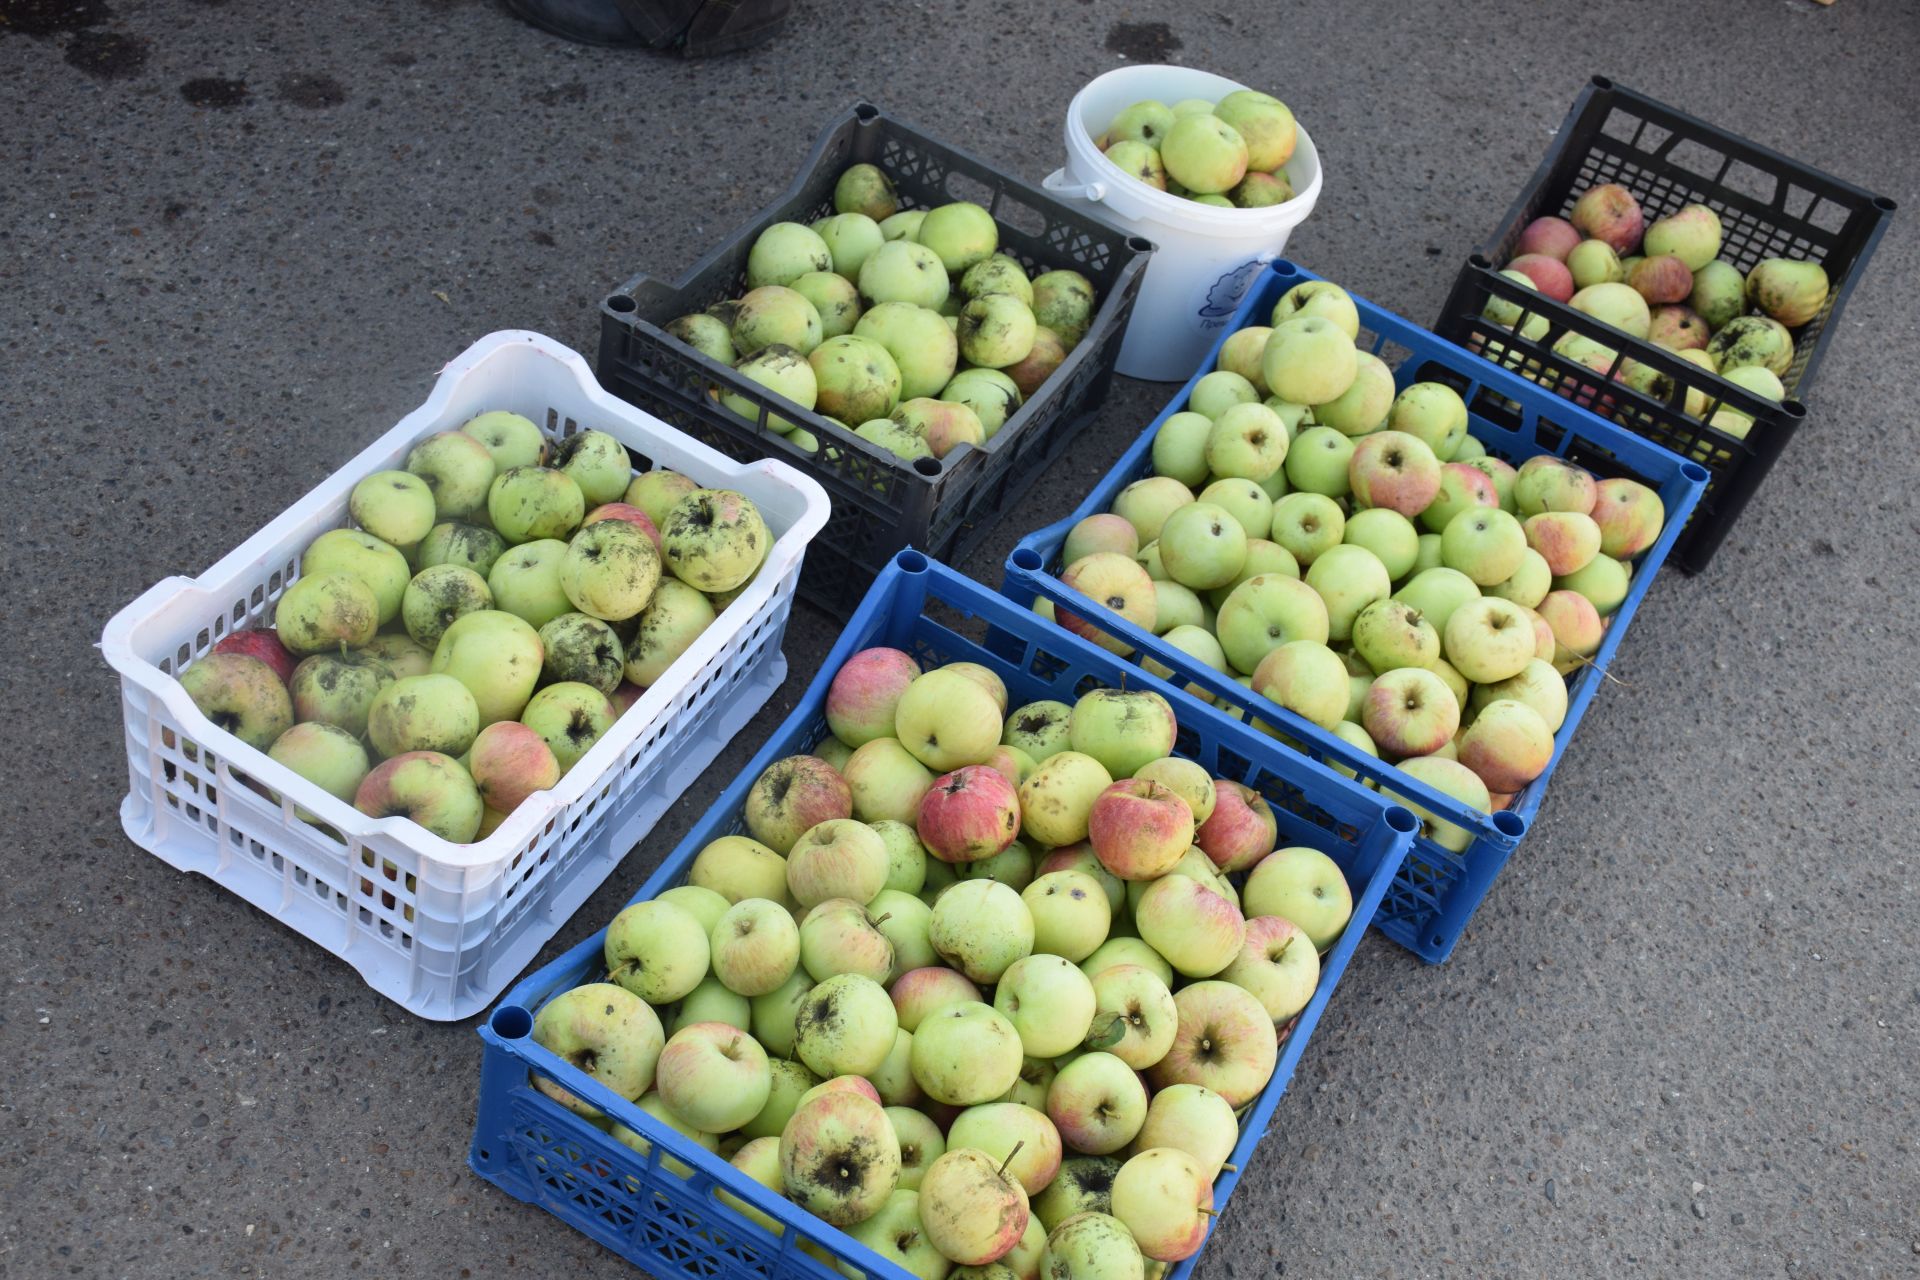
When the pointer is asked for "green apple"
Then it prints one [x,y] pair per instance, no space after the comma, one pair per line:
[850,238]
[656,950]
[1451,778]
[1180,447]
[512,440]
[1204,154]
[1319,462]
[991,394]
[1241,352]
[333,760]
[605,1031]
[1485,543]
[1249,505]
[466,545]
[1146,504]
[396,507]
[980,927]
[904,271]
[358,554]
[497,656]
[1070,911]
[1348,578]
[1305,886]
[1165,1199]
[1266,612]
[1320,298]
[1307,526]
[967,1053]
[784,252]
[1220,391]
[1310,360]
[1489,639]
[1389,634]
[456,468]
[1538,686]
[995,331]
[1604,582]
[1433,413]
[1049,1002]
[1390,536]
[1529,584]
[1092,1246]
[1363,407]
[1307,678]
[1202,546]
[569,717]
[1436,593]
[961,233]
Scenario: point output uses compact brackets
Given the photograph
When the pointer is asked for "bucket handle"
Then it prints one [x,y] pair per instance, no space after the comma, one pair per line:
[1057,183]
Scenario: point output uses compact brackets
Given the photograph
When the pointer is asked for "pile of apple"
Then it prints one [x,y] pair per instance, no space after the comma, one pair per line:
[979,988]
[1231,153]
[1354,555]
[907,327]
[1665,282]
[500,601]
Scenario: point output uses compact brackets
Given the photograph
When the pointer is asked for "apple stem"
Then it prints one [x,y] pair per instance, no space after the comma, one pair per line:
[1209,1213]
[882,919]
[1010,1155]
[1230,1168]
[613,974]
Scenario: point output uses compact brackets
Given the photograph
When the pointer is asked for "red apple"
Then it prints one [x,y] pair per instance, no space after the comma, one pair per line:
[969,814]
[1139,829]
[262,643]
[1241,830]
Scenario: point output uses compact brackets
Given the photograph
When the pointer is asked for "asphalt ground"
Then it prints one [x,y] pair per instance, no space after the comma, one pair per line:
[240,240]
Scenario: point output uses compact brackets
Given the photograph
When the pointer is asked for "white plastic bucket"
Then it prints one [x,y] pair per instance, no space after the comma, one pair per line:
[1205,257]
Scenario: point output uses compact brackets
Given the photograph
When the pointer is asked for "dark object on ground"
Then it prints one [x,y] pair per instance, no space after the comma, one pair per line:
[690,28]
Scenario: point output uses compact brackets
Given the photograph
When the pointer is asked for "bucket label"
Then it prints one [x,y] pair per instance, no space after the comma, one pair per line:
[1222,298]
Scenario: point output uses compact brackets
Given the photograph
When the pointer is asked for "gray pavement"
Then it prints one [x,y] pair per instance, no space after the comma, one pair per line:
[1680,1037]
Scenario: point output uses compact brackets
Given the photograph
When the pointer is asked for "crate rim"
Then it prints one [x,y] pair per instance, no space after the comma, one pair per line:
[508,1027]
[1504,828]
[116,644]
[618,304]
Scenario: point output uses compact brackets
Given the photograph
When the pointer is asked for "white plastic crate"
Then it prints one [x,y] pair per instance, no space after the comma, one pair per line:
[442,928]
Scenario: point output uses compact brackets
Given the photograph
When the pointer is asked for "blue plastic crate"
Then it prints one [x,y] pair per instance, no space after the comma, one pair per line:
[654,1216]
[1438,889]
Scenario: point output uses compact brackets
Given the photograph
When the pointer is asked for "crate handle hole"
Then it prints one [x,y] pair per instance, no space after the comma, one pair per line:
[1509,823]
[1283,267]
[1795,408]
[927,466]
[622,303]
[1027,560]
[866,113]
[1885,204]
[1481,261]
[1599,82]
[911,561]
[511,1022]
[1694,472]
[1140,244]
[1402,819]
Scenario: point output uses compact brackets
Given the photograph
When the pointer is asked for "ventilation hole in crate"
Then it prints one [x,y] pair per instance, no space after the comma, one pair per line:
[1749,181]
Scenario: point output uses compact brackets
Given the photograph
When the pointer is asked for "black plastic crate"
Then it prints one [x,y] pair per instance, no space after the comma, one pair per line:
[1770,206]
[881,503]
